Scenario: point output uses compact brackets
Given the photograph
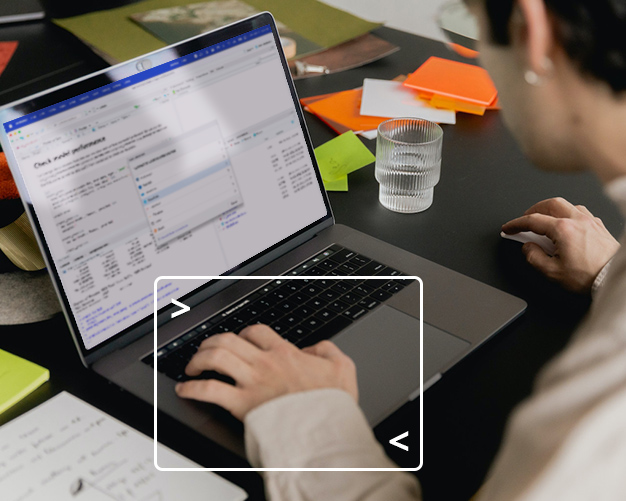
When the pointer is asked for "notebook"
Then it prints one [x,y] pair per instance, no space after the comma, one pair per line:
[18,378]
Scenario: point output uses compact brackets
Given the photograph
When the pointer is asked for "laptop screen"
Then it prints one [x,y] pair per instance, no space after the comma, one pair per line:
[192,167]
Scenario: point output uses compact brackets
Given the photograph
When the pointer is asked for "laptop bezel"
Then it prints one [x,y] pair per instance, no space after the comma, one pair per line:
[95,80]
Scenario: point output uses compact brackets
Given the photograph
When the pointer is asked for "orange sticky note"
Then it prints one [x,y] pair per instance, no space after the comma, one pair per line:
[454,80]
[453,104]
[305,101]
[6,53]
[344,108]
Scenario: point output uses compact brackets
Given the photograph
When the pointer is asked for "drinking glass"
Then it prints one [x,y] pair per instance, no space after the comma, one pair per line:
[408,163]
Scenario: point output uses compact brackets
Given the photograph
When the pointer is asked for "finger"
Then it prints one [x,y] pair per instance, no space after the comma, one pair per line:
[584,210]
[539,260]
[243,348]
[326,349]
[537,223]
[220,360]
[555,207]
[212,391]
[261,336]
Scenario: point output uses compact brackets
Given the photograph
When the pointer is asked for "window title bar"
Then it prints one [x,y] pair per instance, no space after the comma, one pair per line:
[14,125]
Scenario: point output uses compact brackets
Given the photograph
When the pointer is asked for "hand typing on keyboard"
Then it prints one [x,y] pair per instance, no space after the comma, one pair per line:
[264,366]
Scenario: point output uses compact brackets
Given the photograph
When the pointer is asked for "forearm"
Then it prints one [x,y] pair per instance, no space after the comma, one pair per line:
[321,429]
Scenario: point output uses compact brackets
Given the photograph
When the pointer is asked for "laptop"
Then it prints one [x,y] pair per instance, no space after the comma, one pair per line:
[195,160]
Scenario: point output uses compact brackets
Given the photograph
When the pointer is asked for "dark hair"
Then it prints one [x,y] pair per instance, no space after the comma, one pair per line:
[592,32]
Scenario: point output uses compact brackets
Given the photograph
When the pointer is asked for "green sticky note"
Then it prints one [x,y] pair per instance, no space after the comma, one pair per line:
[18,377]
[340,184]
[342,155]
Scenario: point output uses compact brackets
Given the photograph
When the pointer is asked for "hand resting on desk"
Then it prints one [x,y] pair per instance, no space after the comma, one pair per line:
[583,244]
[264,366]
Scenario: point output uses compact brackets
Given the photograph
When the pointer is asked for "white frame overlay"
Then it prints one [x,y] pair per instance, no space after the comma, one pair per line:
[296,277]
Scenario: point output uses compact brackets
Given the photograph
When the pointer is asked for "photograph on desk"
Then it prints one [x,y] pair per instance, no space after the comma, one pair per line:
[185,169]
[175,24]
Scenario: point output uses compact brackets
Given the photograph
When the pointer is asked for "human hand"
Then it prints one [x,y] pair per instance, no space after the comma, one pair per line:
[264,366]
[583,244]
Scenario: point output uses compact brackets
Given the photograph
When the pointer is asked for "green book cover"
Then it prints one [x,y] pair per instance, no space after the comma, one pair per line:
[18,378]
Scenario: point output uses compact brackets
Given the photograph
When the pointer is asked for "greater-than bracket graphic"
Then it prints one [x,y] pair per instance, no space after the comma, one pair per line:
[396,441]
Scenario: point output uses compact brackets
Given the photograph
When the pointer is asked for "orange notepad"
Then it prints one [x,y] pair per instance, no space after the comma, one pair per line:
[449,82]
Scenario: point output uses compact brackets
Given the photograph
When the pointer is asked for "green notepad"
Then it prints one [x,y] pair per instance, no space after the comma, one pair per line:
[18,378]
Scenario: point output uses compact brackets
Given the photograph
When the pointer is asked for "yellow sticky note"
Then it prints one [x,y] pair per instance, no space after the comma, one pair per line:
[342,155]
[340,184]
[18,378]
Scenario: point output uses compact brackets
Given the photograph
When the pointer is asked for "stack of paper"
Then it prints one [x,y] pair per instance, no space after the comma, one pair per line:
[341,111]
[362,110]
[435,91]
[454,86]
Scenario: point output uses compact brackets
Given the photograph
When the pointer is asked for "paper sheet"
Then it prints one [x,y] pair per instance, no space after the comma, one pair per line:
[340,156]
[385,98]
[369,134]
[67,449]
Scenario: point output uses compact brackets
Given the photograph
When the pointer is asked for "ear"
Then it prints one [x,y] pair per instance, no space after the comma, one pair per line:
[533,31]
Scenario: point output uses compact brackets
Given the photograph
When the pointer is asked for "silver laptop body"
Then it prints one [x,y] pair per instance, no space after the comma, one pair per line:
[195,160]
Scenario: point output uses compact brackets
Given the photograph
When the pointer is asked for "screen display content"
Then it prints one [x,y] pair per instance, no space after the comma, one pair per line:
[189,168]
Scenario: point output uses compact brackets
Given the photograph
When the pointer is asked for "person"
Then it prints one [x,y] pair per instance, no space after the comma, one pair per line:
[560,67]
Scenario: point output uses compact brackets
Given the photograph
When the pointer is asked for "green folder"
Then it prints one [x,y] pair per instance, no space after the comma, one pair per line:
[18,378]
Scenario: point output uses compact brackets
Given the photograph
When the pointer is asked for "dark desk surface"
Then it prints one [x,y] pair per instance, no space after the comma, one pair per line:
[485,182]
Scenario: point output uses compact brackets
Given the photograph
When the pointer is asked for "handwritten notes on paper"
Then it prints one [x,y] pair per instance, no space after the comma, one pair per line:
[67,449]
[340,156]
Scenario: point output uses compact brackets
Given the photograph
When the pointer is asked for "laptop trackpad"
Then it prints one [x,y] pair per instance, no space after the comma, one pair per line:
[385,347]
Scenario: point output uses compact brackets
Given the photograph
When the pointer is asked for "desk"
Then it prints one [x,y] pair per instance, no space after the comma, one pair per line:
[485,181]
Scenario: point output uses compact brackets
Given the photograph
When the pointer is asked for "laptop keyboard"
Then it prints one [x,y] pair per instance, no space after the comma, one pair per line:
[303,311]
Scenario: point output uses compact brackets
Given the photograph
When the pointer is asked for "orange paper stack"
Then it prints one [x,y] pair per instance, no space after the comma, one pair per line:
[453,85]
[341,111]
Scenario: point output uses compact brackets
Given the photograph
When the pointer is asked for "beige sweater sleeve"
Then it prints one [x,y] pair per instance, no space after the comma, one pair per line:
[321,429]
[566,442]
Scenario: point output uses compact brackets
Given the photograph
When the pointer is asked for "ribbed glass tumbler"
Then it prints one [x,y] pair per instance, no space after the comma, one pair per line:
[408,163]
